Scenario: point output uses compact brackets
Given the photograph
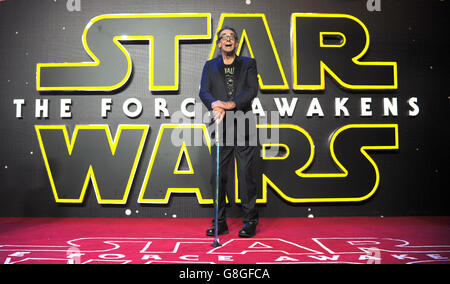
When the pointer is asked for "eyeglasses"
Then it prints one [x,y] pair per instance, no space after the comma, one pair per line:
[228,36]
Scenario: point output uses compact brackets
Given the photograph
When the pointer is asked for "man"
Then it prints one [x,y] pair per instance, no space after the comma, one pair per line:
[229,83]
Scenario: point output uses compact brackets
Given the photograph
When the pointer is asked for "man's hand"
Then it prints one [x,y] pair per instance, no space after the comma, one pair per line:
[224,105]
[219,114]
[220,108]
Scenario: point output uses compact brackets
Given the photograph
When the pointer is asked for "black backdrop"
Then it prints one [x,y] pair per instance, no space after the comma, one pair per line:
[413,179]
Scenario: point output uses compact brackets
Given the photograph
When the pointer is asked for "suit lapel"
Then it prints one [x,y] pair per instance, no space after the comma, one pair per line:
[237,66]
[238,76]
[220,66]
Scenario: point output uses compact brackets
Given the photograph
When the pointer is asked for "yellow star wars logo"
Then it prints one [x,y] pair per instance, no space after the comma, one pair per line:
[334,43]
[320,43]
[111,163]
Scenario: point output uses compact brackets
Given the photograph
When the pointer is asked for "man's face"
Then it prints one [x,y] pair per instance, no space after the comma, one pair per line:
[227,41]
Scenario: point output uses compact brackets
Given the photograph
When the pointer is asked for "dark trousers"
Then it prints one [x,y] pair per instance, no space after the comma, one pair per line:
[246,177]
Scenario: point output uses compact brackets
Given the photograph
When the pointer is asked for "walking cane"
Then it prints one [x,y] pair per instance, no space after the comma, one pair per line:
[216,201]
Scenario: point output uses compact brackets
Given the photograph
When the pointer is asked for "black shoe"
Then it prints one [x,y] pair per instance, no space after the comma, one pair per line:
[223,229]
[248,231]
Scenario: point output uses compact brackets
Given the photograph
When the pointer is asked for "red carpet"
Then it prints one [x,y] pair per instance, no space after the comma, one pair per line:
[278,240]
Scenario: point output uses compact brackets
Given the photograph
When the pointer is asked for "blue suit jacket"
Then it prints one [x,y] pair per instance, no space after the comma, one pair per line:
[212,86]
